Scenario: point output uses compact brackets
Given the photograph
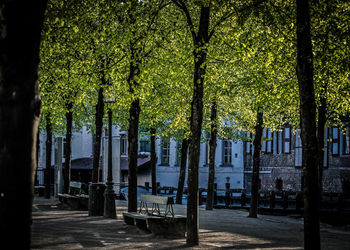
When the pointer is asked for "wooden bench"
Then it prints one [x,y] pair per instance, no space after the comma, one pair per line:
[151,218]
[76,198]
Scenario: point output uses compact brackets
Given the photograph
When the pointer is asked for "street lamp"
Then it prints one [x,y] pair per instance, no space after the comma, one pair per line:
[109,207]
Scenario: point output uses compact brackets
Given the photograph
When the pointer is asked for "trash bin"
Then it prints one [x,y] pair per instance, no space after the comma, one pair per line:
[96,199]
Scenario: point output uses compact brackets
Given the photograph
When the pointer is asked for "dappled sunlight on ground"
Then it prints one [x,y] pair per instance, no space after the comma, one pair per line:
[58,227]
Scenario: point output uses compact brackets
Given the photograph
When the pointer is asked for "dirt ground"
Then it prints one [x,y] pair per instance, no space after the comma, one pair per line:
[57,227]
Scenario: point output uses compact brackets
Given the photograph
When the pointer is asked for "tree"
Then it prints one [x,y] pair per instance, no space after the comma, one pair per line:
[47,176]
[212,152]
[19,115]
[63,85]
[308,126]
[256,164]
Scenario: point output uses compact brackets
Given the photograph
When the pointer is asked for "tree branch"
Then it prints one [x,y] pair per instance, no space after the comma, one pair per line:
[181,4]
[230,13]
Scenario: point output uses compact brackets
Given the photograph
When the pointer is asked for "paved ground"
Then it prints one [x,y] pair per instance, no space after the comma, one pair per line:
[57,227]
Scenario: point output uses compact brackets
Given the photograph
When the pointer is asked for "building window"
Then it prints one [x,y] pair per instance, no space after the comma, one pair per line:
[227,148]
[335,141]
[298,150]
[286,140]
[267,141]
[165,150]
[346,141]
[279,184]
[124,145]
[145,146]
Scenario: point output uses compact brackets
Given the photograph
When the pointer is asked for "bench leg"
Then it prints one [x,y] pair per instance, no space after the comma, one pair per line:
[142,224]
[129,220]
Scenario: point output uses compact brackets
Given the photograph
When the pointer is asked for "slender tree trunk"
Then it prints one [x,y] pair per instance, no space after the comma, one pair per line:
[212,151]
[37,157]
[321,124]
[200,55]
[134,113]
[182,174]
[99,127]
[308,127]
[68,148]
[48,156]
[20,33]
[256,165]
[153,160]
[133,131]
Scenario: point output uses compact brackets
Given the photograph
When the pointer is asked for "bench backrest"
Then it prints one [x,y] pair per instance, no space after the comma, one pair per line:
[163,200]
[75,188]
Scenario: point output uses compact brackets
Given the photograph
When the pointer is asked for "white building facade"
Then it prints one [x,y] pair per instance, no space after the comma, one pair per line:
[228,171]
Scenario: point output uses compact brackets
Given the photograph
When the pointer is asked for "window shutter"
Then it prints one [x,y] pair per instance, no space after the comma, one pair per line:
[280,142]
[335,141]
[263,143]
[269,142]
[287,140]
[298,150]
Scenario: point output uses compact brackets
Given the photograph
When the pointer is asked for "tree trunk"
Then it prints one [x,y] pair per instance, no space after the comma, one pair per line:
[99,127]
[321,124]
[68,148]
[37,157]
[212,151]
[48,156]
[133,131]
[21,23]
[182,174]
[200,56]
[153,160]
[256,165]
[134,113]
[308,127]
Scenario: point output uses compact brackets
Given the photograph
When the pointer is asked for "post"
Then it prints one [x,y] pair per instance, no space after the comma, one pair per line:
[109,208]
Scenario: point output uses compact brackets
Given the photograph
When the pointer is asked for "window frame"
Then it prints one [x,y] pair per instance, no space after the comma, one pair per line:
[335,141]
[142,142]
[346,142]
[287,140]
[166,142]
[227,149]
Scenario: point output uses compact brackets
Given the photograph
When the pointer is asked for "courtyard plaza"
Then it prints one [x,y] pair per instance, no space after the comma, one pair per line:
[56,226]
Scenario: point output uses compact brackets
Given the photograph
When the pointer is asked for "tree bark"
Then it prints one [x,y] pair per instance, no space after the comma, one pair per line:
[212,151]
[68,148]
[37,157]
[99,127]
[200,56]
[182,174]
[253,211]
[321,124]
[133,131]
[153,160]
[134,113]
[20,32]
[48,156]
[308,127]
